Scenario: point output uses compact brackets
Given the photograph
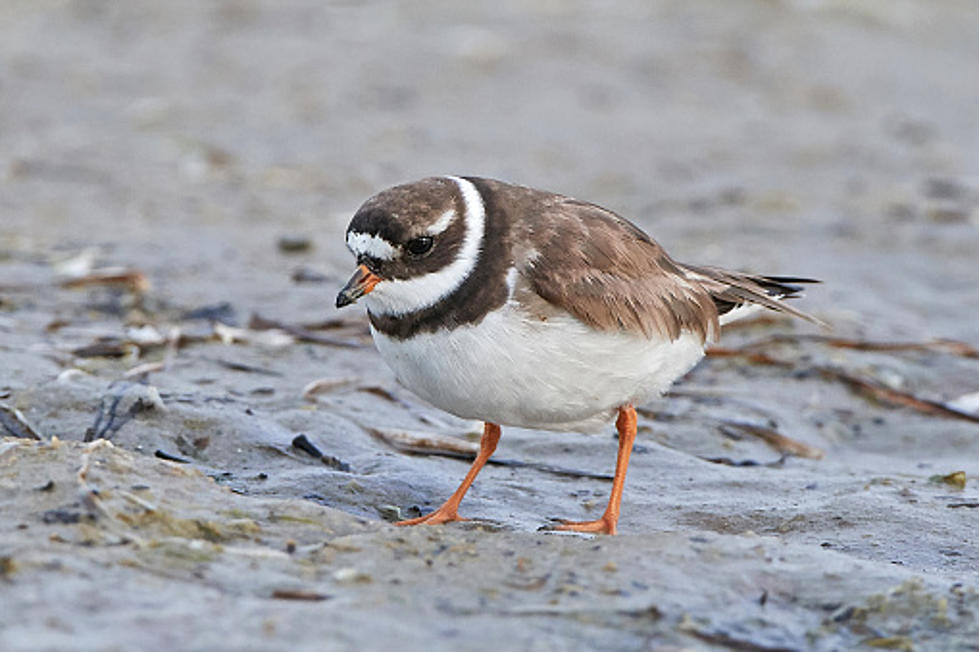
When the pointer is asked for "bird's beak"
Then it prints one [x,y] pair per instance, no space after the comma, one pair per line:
[362,282]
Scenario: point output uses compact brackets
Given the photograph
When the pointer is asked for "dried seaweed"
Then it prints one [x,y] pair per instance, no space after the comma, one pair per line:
[727,461]
[382,393]
[234,365]
[336,324]
[859,385]
[223,312]
[298,594]
[884,394]
[262,331]
[163,455]
[955,479]
[271,337]
[426,443]
[145,369]
[776,440]
[131,279]
[14,423]
[107,347]
[257,322]
[324,386]
[433,444]
[755,357]
[119,406]
[301,442]
[729,641]
[953,347]
[137,342]
[550,468]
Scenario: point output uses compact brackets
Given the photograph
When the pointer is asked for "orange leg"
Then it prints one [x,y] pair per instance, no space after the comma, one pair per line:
[449,511]
[626,425]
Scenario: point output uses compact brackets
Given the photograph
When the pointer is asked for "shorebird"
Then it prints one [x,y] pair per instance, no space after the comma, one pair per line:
[520,307]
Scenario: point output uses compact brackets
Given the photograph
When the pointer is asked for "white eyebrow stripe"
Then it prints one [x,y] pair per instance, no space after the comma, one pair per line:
[370,245]
[401,297]
[442,223]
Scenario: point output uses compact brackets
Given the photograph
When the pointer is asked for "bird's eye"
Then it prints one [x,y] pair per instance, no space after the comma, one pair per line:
[420,246]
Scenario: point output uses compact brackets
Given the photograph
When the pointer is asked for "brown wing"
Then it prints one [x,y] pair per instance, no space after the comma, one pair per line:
[609,274]
[732,289]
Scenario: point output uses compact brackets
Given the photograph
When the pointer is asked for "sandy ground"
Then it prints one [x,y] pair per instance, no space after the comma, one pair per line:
[218,149]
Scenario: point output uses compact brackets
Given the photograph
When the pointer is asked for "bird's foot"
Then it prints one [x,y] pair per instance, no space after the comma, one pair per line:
[604,525]
[441,515]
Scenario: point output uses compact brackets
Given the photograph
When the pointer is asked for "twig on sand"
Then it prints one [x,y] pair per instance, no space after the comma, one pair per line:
[259,323]
[235,365]
[727,461]
[863,386]
[419,443]
[444,446]
[14,423]
[131,279]
[163,455]
[879,392]
[953,347]
[298,594]
[728,641]
[776,440]
[301,442]
[120,405]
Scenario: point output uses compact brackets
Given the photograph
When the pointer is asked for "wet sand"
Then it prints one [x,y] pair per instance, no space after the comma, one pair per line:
[212,154]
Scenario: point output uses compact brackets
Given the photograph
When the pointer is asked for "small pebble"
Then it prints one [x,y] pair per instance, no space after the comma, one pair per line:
[389,512]
[308,275]
[292,244]
[351,576]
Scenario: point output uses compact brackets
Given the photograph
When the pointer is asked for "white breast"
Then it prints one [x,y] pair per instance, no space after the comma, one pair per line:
[517,370]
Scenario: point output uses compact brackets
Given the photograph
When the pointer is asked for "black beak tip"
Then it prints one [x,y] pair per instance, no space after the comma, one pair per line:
[343,300]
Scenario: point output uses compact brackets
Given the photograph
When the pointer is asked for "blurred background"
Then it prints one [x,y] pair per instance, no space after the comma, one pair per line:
[837,139]
[175,181]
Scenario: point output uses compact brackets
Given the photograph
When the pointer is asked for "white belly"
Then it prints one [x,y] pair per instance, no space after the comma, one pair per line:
[556,374]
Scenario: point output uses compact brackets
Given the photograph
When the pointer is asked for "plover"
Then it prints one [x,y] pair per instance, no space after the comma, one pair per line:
[520,307]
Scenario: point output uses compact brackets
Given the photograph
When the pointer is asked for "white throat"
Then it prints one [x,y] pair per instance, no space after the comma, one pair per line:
[404,296]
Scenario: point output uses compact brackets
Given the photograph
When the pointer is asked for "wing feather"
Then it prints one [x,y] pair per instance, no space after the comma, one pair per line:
[732,290]
[609,274]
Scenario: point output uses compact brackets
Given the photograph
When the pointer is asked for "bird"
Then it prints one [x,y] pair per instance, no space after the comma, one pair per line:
[519,307]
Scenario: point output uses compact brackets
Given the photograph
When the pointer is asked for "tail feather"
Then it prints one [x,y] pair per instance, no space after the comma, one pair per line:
[732,291]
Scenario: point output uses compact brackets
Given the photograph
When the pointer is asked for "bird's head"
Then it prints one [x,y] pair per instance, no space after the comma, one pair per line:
[414,244]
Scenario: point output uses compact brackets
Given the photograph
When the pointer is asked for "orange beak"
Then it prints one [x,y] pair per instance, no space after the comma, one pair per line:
[361,283]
